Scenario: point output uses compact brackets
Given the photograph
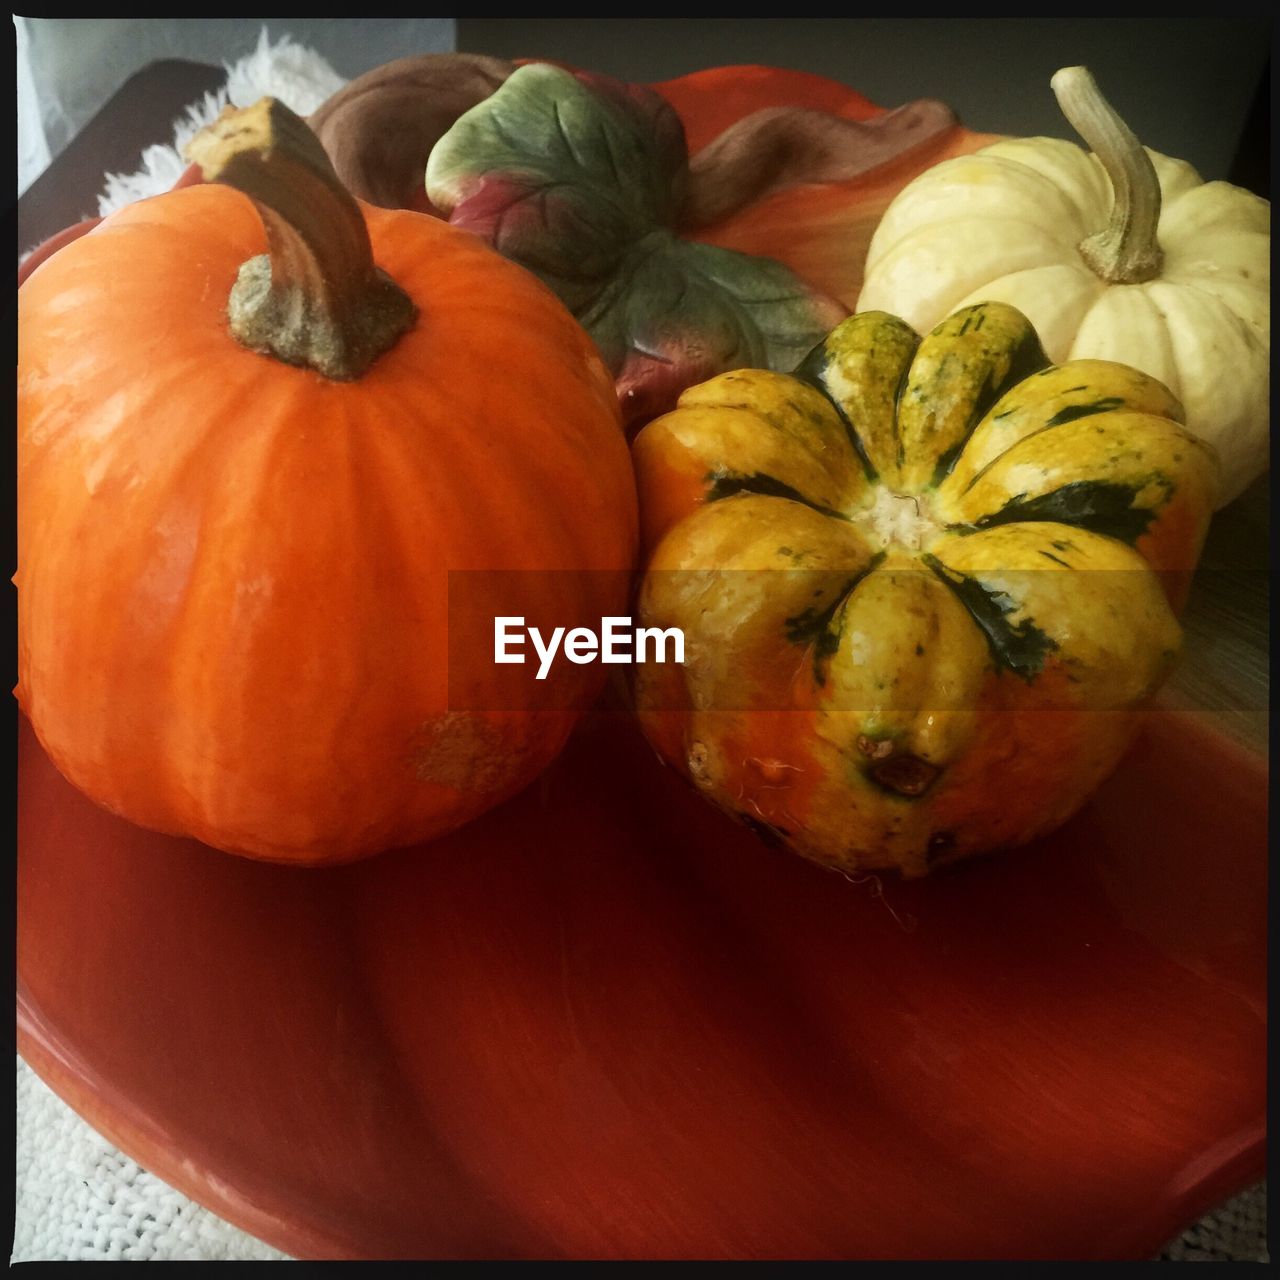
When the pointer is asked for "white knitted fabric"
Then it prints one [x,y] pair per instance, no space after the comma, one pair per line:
[298,76]
[1237,1232]
[80,1198]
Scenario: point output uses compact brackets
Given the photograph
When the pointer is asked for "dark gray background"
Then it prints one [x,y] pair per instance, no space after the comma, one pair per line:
[1185,85]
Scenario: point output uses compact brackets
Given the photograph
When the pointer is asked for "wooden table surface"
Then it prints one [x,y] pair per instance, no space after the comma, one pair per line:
[1225,669]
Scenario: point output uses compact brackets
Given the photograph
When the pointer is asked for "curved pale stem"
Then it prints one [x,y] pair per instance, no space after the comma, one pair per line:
[1126,250]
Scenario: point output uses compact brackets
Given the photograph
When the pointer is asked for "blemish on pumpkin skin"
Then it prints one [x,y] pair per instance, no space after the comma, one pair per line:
[775,771]
[876,749]
[906,774]
[462,750]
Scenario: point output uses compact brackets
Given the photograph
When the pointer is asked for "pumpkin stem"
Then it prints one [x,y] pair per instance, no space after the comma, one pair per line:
[1126,251]
[315,298]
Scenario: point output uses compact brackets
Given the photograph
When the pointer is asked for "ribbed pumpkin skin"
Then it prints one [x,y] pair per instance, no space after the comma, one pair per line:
[233,573]
[926,586]
[1003,225]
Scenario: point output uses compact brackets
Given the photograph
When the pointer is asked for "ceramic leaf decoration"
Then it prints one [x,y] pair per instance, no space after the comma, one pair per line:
[581,179]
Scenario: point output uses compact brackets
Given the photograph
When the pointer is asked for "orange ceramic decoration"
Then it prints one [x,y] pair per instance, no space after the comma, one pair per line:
[833,162]
[713,222]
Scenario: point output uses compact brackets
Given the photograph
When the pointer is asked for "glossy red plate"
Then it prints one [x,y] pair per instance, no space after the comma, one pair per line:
[604,1021]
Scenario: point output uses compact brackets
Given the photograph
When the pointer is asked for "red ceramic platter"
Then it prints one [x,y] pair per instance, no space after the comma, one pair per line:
[604,1021]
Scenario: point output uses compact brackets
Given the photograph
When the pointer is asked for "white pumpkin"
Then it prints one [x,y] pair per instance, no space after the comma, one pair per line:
[1122,255]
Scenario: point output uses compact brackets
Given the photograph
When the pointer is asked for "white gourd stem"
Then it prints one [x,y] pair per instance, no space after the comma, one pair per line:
[1126,251]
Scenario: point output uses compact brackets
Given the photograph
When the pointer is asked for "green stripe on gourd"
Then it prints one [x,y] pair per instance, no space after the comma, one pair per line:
[1020,647]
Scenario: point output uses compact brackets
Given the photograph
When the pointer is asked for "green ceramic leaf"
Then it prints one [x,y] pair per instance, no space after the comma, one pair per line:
[580,179]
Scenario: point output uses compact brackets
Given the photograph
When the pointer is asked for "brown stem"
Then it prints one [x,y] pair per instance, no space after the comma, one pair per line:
[315,297]
[1126,251]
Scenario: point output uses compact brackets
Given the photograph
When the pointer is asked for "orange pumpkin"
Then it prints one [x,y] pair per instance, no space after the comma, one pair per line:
[234,568]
